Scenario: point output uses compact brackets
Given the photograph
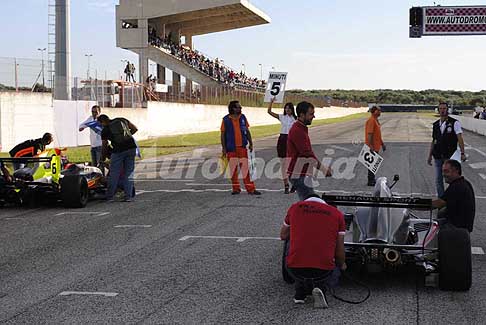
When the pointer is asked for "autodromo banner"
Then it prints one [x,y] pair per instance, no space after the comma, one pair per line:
[468,20]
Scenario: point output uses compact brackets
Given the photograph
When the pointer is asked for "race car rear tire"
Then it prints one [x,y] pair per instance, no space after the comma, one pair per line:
[455,269]
[285,274]
[74,191]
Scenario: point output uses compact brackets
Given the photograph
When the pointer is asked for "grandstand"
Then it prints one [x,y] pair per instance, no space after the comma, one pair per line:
[162,31]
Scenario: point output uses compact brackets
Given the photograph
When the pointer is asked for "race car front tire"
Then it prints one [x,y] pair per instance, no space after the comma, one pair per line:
[74,191]
[455,268]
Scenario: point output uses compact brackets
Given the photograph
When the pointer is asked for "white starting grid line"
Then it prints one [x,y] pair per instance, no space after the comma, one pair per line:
[133,226]
[218,190]
[474,250]
[96,214]
[238,239]
[477,251]
[87,293]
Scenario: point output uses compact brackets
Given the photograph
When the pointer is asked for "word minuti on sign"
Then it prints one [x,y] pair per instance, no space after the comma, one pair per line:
[369,159]
[448,20]
[276,87]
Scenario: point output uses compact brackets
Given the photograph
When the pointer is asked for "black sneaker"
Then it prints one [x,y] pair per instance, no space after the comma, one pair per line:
[293,189]
[319,298]
[235,192]
[371,183]
[255,192]
[286,191]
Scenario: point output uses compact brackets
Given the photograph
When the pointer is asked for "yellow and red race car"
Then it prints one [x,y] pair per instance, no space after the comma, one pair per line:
[48,177]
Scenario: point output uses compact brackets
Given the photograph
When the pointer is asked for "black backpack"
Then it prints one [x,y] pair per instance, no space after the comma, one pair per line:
[120,131]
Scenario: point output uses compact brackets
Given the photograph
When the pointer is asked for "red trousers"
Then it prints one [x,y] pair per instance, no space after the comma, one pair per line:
[239,160]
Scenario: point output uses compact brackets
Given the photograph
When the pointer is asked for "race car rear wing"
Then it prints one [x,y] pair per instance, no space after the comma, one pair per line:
[51,166]
[384,202]
[26,160]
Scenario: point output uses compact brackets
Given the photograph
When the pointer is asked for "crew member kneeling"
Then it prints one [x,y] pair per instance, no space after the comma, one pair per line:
[316,255]
[458,200]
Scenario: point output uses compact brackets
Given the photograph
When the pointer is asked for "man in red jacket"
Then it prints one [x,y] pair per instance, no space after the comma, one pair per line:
[316,232]
[299,150]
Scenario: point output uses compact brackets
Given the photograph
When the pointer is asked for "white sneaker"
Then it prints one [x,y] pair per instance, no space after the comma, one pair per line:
[299,301]
[319,298]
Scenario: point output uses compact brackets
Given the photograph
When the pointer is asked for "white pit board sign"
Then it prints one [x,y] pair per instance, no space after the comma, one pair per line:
[276,87]
[371,160]
[252,170]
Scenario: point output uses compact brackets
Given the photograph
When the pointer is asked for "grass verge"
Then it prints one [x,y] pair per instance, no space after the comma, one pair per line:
[187,142]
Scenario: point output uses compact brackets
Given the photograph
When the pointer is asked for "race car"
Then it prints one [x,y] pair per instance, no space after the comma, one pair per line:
[50,179]
[383,232]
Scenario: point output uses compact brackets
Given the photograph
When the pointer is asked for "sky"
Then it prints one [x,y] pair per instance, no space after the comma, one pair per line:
[322,44]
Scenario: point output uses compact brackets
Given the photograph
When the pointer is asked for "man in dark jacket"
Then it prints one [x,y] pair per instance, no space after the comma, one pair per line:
[446,134]
[30,148]
[119,132]
[458,200]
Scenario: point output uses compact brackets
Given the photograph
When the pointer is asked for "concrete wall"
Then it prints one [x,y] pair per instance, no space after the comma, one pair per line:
[29,115]
[172,119]
[24,116]
[472,124]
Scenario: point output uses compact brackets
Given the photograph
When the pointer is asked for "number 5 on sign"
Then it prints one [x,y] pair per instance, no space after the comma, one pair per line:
[276,87]
[370,160]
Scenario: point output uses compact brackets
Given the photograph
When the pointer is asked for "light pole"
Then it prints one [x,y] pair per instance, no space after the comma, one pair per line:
[153,69]
[243,68]
[261,71]
[43,78]
[89,63]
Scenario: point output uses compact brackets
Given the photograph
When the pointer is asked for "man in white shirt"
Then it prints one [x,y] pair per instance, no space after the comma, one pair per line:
[446,136]
[94,137]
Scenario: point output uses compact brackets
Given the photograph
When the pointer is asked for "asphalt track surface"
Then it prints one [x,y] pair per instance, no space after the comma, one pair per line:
[144,266]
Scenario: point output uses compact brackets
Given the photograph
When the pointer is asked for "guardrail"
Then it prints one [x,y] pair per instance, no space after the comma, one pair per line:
[472,124]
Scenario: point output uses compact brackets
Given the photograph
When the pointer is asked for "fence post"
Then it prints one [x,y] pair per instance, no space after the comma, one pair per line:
[16,76]
[102,94]
[132,85]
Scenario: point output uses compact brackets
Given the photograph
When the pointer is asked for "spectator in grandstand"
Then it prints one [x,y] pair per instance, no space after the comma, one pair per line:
[119,132]
[132,72]
[235,137]
[30,148]
[287,119]
[212,68]
[94,134]
[127,71]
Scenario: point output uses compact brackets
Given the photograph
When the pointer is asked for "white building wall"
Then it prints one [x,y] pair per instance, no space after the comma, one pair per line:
[26,116]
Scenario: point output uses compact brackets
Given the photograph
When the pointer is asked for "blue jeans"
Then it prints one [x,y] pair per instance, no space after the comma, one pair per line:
[303,186]
[95,156]
[121,161]
[439,178]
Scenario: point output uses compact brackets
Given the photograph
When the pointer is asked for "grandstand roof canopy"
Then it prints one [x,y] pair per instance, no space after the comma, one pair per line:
[196,17]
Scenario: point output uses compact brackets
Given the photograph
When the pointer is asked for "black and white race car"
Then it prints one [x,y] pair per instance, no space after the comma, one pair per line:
[384,233]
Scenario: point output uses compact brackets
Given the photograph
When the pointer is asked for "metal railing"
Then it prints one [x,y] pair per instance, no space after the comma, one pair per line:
[24,74]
